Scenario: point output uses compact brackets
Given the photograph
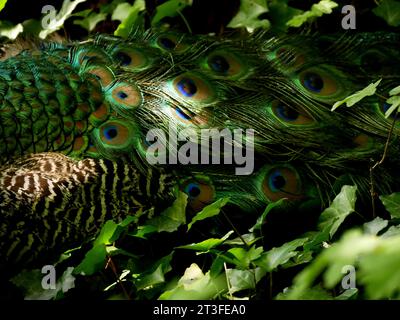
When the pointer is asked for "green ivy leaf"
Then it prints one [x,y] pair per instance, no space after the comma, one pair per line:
[94,261]
[394,105]
[347,251]
[373,227]
[240,280]
[358,96]
[143,231]
[395,91]
[349,294]
[242,257]
[261,219]
[314,293]
[343,204]
[248,15]
[90,22]
[10,31]
[249,238]
[2,4]
[206,245]
[317,10]
[173,217]
[393,231]
[195,285]
[156,274]
[392,204]
[126,26]
[121,12]
[209,211]
[380,270]
[275,257]
[170,8]
[31,284]
[389,10]
[280,13]
[106,232]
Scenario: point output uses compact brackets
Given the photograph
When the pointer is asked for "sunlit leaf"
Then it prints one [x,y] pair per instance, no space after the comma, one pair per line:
[173,217]
[317,10]
[90,22]
[195,285]
[389,10]
[392,204]
[343,204]
[169,9]
[248,15]
[94,261]
[126,26]
[358,96]
[206,245]
[209,211]
[267,210]
[373,227]
[275,257]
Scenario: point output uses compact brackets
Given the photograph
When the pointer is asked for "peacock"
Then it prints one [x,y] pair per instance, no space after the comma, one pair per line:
[75,119]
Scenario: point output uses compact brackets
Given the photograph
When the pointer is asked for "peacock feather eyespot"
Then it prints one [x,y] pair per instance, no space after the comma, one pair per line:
[363,142]
[91,54]
[200,192]
[130,58]
[281,182]
[110,132]
[193,190]
[193,88]
[375,61]
[172,42]
[123,58]
[124,96]
[167,43]
[226,64]
[313,82]
[287,57]
[116,134]
[290,115]
[187,87]
[103,74]
[319,82]
[219,64]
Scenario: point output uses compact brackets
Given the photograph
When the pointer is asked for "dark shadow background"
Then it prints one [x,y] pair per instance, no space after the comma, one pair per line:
[204,16]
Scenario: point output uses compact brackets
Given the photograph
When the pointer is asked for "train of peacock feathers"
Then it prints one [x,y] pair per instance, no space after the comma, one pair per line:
[75,117]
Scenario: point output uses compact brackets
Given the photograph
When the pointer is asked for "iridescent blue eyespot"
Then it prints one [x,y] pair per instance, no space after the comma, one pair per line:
[313,82]
[122,95]
[193,190]
[187,87]
[123,58]
[167,43]
[276,181]
[286,113]
[110,132]
[219,64]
